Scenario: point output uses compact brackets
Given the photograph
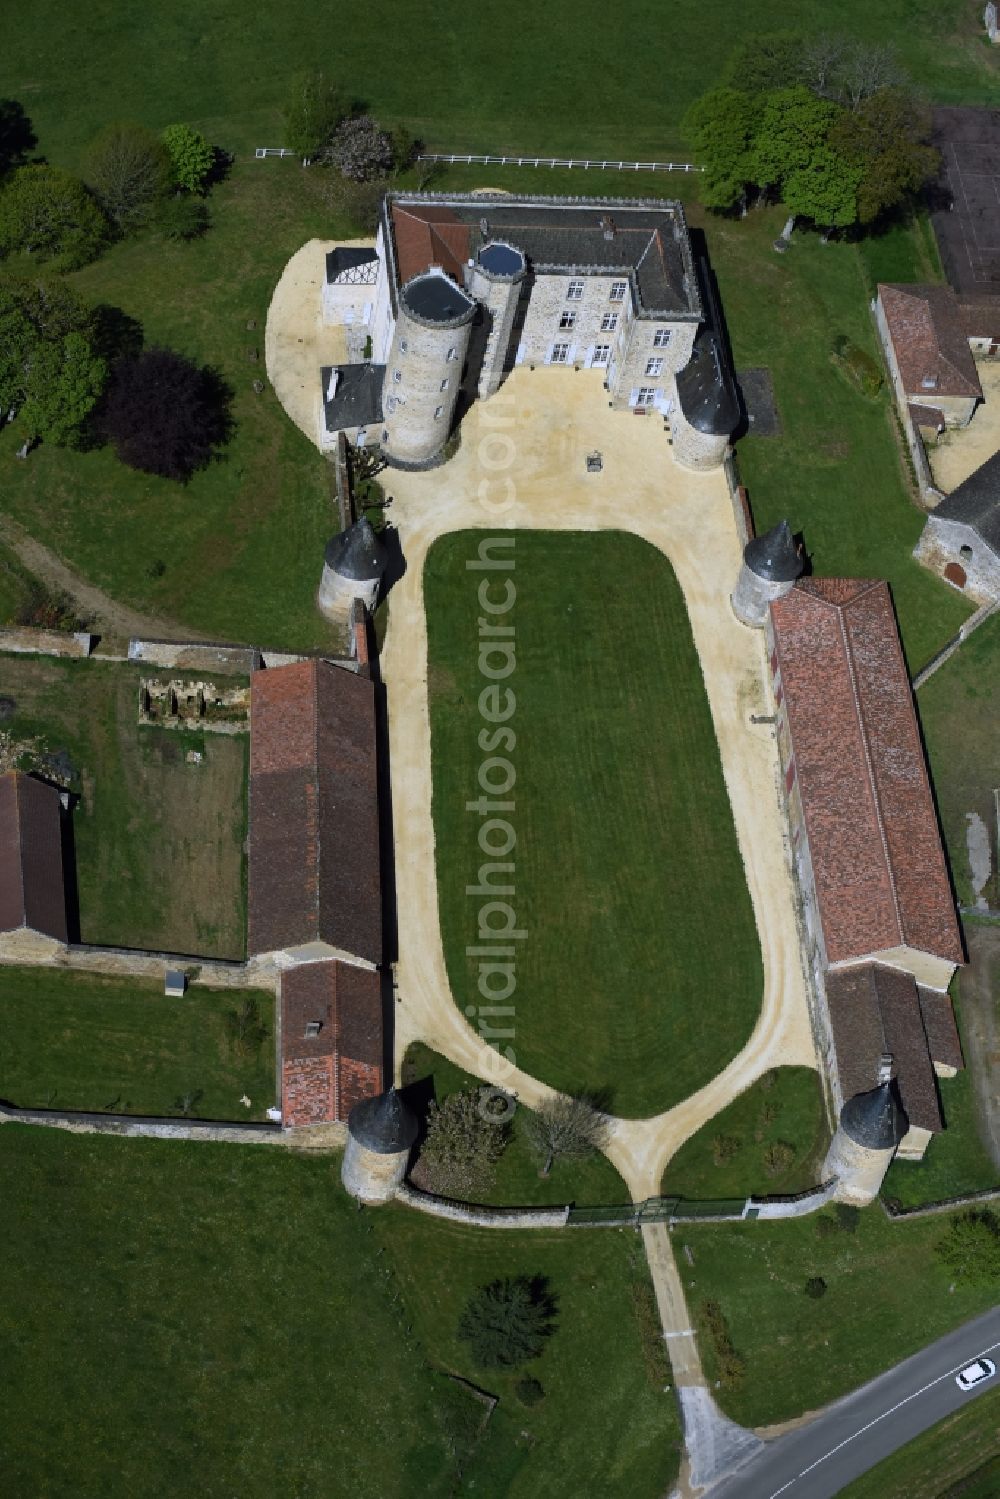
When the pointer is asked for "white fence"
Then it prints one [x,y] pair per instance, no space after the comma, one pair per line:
[599,164]
[588,163]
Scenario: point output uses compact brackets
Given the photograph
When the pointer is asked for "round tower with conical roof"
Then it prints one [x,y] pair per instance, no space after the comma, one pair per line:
[423,373]
[705,411]
[870,1129]
[353,567]
[771,564]
[381,1132]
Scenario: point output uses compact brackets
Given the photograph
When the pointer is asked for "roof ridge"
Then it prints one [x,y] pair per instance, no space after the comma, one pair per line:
[319,821]
[18,776]
[872,780]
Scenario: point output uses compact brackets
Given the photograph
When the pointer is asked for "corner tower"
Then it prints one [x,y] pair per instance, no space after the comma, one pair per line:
[870,1129]
[771,565]
[423,373]
[353,566]
[495,278]
[381,1132]
[706,410]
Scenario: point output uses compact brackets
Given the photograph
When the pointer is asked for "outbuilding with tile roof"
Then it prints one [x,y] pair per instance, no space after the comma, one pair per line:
[32,884]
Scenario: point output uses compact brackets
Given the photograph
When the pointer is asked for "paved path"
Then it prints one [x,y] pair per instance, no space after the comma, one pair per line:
[817,1461]
[105,614]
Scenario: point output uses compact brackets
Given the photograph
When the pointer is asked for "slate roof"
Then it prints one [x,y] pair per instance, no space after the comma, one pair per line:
[314,870]
[976,503]
[705,389]
[645,239]
[357,396]
[350,262]
[930,341]
[774,556]
[357,553]
[940,1029]
[32,891]
[875,1119]
[876,1010]
[879,867]
[385,1124]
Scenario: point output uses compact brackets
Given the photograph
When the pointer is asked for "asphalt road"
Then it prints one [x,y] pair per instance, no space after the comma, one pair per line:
[820,1459]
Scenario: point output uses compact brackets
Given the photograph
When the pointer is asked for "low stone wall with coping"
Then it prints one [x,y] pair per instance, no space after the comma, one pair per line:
[46,642]
[480,1216]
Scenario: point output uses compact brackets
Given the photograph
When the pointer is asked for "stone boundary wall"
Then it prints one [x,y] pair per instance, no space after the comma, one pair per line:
[46,642]
[213,973]
[342,483]
[798,1206]
[929,492]
[972,623]
[741,504]
[482,1217]
[948,1205]
[134,1126]
[196,655]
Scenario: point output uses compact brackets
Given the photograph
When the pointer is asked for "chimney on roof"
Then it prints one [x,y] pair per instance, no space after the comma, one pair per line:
[885,1068]
[609,226]
[332,383]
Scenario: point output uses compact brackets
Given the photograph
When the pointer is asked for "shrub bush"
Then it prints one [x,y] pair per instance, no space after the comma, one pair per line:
[529,1391]
[816,1287]
[506,1323]
[859,367]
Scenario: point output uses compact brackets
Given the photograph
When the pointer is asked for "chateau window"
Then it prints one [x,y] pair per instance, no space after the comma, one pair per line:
[567,320]
[397,375]
[602,353]
[646,396]
[661,338]
[574,292]
[618,290]
[609,322]
[403,346]
[654,366]
[560,353]
[445,384]
[451,354]
[385,434]
[438,413]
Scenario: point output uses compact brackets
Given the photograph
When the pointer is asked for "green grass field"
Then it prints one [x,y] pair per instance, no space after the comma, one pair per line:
[456,78]
[178,1309]
[727,1156]
[959,709]
[837,471]
[960,1456]
[886,1297]
[158,840]
[641,970]
[118,1045]
[592,1182]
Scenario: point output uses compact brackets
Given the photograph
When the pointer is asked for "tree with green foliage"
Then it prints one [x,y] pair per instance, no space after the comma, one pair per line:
[722,125]
[464,1142]
[886,140]
[128,170]
[51,372]
[361,150]
[825,191]
[793,126]
[191,157]
[971,1249]
[17,137]
[565,1126]
[48,213]
[507,1322]
[315,107]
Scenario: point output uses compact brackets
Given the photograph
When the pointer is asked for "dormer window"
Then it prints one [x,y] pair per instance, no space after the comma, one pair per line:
[929,382]
[313,1028]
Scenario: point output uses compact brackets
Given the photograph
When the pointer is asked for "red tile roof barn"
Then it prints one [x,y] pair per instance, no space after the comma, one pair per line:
[879,867]
[326,1074]
[930,341]
[32,891]
[314,873]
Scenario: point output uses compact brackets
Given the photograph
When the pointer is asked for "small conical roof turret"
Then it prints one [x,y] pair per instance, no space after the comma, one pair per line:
[774,556]
[357,553]
[385,1124]
[875,1119]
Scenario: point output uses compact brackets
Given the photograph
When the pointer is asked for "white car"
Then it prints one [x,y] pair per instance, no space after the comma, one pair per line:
[973,1374]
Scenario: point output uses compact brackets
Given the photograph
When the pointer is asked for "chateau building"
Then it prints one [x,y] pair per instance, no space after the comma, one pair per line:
[460,289]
